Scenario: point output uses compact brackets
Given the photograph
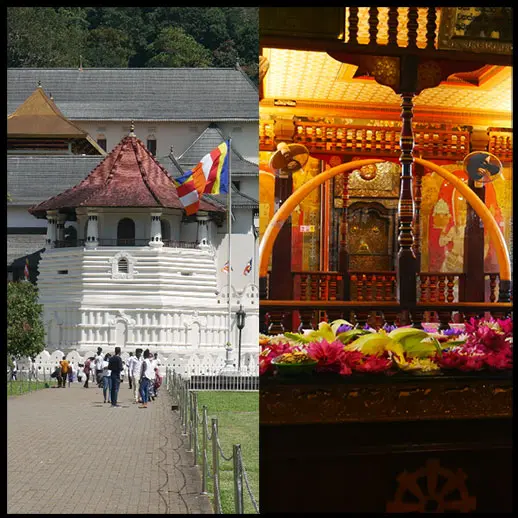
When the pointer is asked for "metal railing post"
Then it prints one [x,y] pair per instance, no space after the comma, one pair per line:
[215,465]
[204,453]
[184,405]
[190,399]
[195,426]
[238,479]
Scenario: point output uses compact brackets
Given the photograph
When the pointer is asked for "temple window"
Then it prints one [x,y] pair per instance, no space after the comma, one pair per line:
[151,144]
[165,230]
[126,232]
[123,265]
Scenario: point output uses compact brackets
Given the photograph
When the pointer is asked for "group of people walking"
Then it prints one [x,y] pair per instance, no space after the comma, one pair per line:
[144,376]
[107,371]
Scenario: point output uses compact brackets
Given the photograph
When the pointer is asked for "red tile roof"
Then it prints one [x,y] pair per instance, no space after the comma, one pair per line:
[128,177]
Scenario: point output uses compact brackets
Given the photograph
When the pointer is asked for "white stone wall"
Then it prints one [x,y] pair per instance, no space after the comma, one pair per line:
[169,299]
[180,135]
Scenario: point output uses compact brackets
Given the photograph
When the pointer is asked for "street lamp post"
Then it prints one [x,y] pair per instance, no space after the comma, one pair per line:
[240,321]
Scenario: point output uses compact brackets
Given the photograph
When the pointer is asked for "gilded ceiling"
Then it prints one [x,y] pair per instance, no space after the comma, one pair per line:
[318,78]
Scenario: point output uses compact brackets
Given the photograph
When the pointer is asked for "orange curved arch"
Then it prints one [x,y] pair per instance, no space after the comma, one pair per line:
[276,223]
[266,246]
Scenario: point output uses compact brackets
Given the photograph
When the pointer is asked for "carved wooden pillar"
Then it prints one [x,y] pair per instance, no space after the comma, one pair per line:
[343,256]
[406,264]
[474,234]
[474,251]
[280,283]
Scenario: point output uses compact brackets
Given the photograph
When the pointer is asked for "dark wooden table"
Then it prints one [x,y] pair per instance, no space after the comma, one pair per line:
[377,443]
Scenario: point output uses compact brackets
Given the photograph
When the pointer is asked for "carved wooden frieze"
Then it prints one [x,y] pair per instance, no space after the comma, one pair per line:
[422,398]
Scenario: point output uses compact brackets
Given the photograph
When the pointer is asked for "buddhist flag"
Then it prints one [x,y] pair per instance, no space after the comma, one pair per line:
[26,270]
[209,176]
[226,268]
[248,267]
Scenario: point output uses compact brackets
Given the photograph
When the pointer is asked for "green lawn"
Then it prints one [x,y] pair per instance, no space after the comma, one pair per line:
[238,423]
[15,388]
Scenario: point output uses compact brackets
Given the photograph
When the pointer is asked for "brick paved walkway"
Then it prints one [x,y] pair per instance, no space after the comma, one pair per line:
[70,453]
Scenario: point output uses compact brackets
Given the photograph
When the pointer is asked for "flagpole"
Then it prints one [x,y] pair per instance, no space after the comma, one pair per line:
[229,217]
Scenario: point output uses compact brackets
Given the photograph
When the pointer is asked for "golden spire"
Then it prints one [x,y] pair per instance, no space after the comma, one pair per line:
[132,129]
[39,83]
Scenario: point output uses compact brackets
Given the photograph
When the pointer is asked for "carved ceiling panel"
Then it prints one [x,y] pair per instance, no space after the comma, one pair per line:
[316,76]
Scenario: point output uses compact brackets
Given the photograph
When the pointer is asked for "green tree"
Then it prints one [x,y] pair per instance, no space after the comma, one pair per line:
[108,47]
[25,332]
[226,55]
[45,36]
[174,48]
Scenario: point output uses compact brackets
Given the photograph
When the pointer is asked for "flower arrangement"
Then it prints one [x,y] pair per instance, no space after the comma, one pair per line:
[341,348]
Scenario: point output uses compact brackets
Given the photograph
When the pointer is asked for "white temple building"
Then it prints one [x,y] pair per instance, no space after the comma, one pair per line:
[115,258]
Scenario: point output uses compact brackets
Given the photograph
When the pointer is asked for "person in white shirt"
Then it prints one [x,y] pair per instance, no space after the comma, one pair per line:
[146,378]
[99,367]
[107,379]
[134,369]
[128,363]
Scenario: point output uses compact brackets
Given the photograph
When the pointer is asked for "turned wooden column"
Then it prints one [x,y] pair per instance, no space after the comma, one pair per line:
[406,264]
[343,256]
[281,284]
[474,252]
[473,289]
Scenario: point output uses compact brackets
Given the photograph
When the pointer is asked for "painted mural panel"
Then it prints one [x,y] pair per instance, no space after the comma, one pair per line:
[443,221]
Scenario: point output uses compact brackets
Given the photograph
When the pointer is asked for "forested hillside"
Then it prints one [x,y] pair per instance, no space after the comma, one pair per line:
[133,37]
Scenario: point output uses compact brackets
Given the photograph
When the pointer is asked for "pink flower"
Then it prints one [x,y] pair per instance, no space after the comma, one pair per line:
[265,365]
[506,325]
[372,363]
[327,354]
[345,370]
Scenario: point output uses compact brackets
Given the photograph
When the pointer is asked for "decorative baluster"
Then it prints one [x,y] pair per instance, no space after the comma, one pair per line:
[313,282]
[444,319]
[359,287]
[431,26]
[418,317]
[492,287]
[275,319]
[432,289]
[306,319]
[390,316]
[412,25]
[388,287]
[378,279]
[442,286]
[353,25]
[450,287]
[373,25]
[392,26]
[334,314]
[404,318]
[303,286]
[322,287]
[424,287]
[362,316]
[368,286]
[333,286]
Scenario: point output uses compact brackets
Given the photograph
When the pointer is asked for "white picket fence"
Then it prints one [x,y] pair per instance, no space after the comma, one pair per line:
[184,364]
